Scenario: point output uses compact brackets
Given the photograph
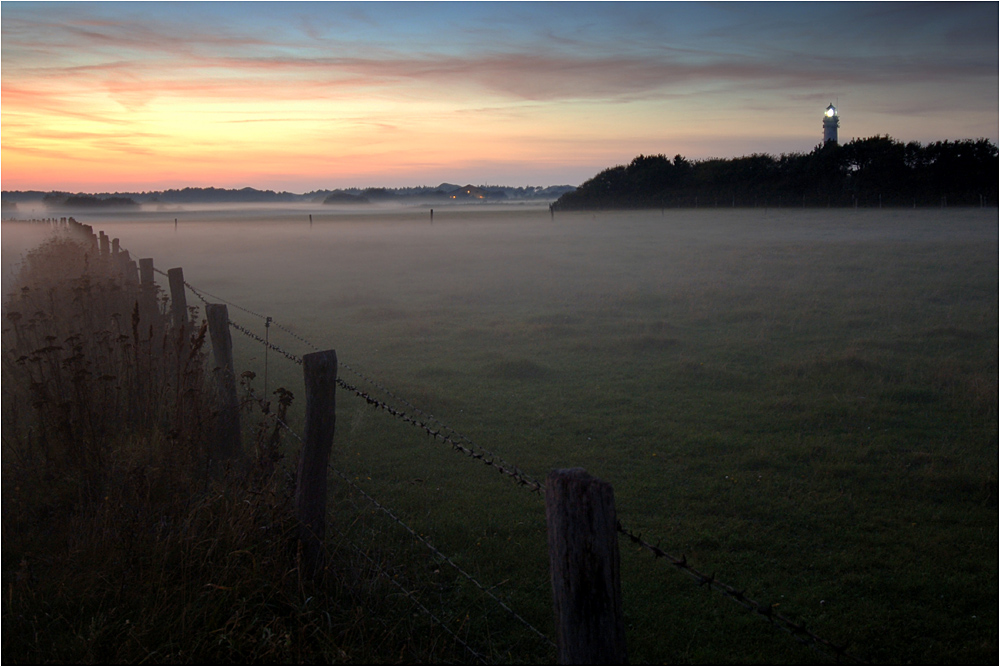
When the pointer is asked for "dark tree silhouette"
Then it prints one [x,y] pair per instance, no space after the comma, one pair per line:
[877,171]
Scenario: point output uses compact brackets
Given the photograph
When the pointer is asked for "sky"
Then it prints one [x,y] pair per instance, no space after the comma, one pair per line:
[104,97]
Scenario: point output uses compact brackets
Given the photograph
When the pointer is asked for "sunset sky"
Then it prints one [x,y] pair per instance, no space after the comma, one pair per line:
[302,96]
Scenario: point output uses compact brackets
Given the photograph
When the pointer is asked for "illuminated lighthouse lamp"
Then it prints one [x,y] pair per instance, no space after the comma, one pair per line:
[831,121]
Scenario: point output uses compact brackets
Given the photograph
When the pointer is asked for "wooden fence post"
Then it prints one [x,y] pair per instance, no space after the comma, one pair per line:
[178,297]
[146,271]
[147,291]
[583,557]
[88,232]
[320,371]
[227,439]
[131,272]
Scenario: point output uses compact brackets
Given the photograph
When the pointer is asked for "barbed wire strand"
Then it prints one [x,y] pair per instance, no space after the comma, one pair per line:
[429,417]
[423,540]
[270,321]
[267,344]
[504,468]
[201,294]
[484,455]
[766,611]
[411,597]
[445,558]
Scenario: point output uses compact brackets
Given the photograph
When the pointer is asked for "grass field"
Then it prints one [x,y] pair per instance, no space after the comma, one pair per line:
[803,402]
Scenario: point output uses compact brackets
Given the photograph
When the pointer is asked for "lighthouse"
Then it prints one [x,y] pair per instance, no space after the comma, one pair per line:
[831,121]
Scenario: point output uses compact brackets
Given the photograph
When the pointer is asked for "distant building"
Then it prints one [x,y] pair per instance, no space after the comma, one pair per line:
[475,193]
[831,121]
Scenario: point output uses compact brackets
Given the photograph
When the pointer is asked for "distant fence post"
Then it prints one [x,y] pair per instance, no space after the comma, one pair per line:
[584,563]
[320,371]
[227,440]
[178,297]
[92,237]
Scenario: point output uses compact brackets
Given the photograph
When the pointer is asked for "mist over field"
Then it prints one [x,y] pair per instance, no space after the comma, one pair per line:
[512,284]
[516,256]
[802,400]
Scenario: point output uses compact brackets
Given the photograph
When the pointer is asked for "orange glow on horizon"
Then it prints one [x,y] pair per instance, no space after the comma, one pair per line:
[140,96]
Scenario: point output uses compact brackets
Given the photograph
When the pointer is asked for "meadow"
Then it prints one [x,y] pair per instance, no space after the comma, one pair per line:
[801,401]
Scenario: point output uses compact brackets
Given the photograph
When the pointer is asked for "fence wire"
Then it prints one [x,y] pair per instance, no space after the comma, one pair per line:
[266,343]
[798,631]
[423,540]
[426,417]
[458,568]
[423,420]
[484,456]
[409,594]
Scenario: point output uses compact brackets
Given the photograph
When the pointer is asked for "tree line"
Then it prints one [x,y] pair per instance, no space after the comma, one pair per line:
[63,200]
[873,172]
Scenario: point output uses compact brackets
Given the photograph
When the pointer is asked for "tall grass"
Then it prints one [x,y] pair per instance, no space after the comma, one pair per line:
[122,542]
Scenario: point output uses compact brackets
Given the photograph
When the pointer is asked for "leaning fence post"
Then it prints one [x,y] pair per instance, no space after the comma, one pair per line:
[583,557]
[320,371]
[227,440]
[178,297]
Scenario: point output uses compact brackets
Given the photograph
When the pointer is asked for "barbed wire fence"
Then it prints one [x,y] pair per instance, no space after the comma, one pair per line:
[439,431]
[421,539]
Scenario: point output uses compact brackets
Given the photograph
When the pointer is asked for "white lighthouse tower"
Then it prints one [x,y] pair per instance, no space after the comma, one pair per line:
[831,121]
